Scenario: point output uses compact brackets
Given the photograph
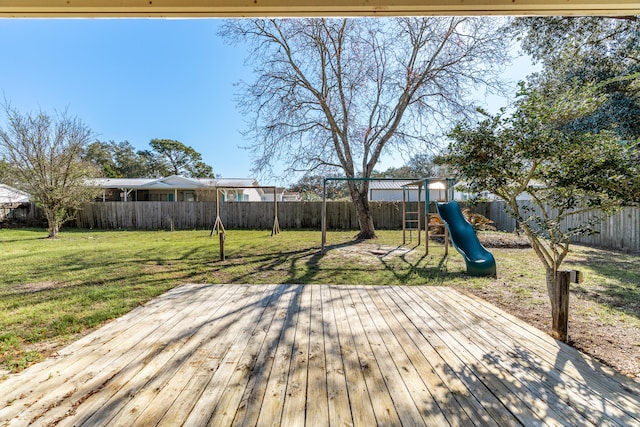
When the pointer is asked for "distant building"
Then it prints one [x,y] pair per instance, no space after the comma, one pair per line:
[282,195]
[392,191]
[177,188]
[461,195]
[12,196]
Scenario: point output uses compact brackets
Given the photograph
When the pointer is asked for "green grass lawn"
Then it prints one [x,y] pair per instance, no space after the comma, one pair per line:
[52,290]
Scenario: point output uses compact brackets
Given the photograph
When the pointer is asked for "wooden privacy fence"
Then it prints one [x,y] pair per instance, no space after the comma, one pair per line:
[244,215]
[621,231]
[22,213]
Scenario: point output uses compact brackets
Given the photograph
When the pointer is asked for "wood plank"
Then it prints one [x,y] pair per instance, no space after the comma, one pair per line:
[508,390]
[319,355]
[132,388]
[475,396]
[361,403]
[271,410]
[226,409]
[198,372]
[239,328]
[575,362]
[458,404]
[183,390]
[295,398]
[338,403]
[383,406]
[317,413]
[550,368]
[380,339]
[424,385]
[253,396]
[508,356]
[80,374]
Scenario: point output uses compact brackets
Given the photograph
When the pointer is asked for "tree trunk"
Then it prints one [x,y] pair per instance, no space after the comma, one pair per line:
[53,230]
[365,220]
[53,224]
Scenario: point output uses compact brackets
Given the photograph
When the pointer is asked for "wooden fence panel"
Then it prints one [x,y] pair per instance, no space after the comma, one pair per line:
[620,231]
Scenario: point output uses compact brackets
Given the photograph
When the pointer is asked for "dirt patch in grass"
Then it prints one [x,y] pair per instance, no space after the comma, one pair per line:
[30,288]
[368,252]
[602,324]
[503,240]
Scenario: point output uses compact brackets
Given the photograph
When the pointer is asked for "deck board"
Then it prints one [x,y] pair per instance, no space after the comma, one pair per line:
[294,355]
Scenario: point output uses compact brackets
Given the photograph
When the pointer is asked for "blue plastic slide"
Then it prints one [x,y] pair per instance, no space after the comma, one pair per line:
[480,261]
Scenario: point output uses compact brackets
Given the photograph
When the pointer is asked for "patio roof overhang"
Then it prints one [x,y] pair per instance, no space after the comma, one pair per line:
[281,8]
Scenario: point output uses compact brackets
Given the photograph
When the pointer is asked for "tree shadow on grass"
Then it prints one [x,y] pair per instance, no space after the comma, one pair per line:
[622,290]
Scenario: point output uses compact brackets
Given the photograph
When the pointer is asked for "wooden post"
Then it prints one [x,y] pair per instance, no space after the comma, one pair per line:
[404,216]
[561,302]
[222,239]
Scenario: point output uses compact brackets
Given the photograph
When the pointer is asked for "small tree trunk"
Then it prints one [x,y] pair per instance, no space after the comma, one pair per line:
[365,220]
[53,224]
[53,230]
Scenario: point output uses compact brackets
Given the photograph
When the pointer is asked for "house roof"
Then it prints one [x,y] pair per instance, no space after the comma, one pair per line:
[388,185]
[229,182]
[12,195]
[172,182]
[434,184]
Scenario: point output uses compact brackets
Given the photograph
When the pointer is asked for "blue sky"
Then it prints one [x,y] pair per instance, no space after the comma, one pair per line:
[138,79]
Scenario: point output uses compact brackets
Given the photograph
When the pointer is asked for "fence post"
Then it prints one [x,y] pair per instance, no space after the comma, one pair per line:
[222,239]
[561,303]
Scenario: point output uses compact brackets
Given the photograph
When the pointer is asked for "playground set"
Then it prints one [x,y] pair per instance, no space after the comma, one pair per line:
[445,220]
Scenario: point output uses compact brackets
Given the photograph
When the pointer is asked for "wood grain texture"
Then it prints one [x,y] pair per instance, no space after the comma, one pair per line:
[316,355]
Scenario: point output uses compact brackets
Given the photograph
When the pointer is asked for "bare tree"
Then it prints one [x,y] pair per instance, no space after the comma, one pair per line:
[44,157]
[342,92]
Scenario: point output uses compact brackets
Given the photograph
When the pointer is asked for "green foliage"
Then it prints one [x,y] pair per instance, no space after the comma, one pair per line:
[174,158]
[578,51]
[167,157]
[312,186]
[565,172]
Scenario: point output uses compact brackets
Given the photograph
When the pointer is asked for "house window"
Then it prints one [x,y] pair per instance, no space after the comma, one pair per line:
[189,196]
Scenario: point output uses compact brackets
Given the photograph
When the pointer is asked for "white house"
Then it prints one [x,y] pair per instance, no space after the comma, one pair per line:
[461,195]
[392,191]
[11,196]
[177,188]
[281,195]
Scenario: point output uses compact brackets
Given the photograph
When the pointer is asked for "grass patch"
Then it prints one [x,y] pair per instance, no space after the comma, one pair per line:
[53,290]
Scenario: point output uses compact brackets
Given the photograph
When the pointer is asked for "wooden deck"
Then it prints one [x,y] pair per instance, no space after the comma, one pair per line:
[295,355]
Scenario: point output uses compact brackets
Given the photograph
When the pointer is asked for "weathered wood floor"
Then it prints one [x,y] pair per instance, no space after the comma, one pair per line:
[318,355]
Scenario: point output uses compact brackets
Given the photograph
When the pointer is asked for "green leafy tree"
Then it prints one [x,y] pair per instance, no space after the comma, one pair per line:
[131,163]
[120,160]
[174,158]
[340,93]
[44,154]
[565,172]
[418,166]
[579,51]
[167,157]
[100,154]
[311,187]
